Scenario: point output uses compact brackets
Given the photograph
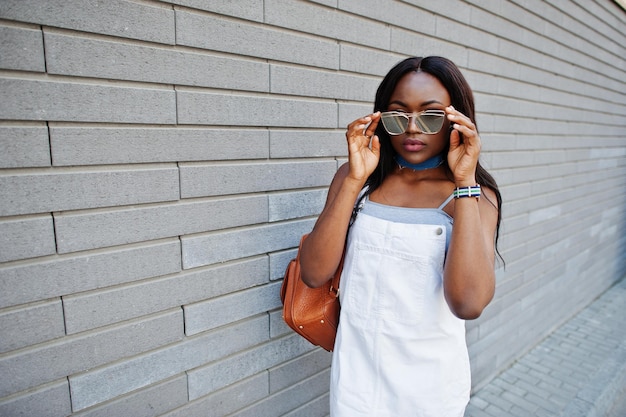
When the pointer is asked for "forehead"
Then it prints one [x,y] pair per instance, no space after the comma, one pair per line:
[416,89]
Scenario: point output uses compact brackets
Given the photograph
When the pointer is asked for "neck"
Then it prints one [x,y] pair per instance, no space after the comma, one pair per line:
[433,162]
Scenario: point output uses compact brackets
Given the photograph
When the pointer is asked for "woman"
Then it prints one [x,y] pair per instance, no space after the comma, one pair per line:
[409,278]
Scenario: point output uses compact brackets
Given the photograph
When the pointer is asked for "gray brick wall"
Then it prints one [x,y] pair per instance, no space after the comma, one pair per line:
[159,161]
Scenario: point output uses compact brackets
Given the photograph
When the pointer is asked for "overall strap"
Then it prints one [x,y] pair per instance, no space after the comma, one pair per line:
[445,203]
[358,205]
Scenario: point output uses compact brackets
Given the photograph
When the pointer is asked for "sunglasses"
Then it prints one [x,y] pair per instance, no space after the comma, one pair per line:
[428,122]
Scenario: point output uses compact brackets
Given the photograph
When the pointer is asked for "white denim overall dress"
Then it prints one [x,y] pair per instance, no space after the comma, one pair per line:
[399,352]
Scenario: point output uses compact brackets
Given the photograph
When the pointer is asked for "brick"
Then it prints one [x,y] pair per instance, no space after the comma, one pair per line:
[21,49]
[245,9]
[291,398]
[115,379]
[307,144]
[363,60]
[207,249]
[292,205]
[197,180]
[31,325]
[473,411]
[22,147]
[349,112]
[88,230]
[399,14]
[329,3]
[523,403]
[247,110]
[493,22]
[204,380]
[551,43]
[537,395]
[571,394]
[218,34]
[319,406]
[478,402]
[148,402]
[544,214]
[278,327]
[227,400]
[493,397]
[519,191]
[45,363]
[27,237]
[326,84]
[50,400]
[76,102]
[494,411]
[594,14]
[86,57]
[545,186]
[290,372]
[411,43]
[329,23]
[95,145]
[115,17]
[515,107]
[520,371]
[219,311]
[607,153]
[517,411]
[47,278]
[98,308]
[512,159]
[279,261]
[486,363]
[65,189]
[586,38]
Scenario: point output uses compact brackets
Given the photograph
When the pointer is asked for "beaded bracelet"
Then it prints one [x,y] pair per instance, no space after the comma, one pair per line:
[472,191]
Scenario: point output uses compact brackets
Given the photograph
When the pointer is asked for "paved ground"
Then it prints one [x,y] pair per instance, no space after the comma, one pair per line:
[578,371]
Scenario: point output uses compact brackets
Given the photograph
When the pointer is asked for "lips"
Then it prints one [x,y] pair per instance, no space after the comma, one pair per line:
[413,145]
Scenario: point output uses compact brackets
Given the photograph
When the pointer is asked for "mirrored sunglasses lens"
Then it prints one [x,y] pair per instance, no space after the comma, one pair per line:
[394,124]
[430,123]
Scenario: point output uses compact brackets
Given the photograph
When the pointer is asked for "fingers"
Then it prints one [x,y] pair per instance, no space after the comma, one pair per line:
[371,128]
[464,127]
[365,126]
[376,145]
[455,138]
[363,146]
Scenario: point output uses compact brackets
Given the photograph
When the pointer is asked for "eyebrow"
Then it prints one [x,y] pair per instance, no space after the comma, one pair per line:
[426,103]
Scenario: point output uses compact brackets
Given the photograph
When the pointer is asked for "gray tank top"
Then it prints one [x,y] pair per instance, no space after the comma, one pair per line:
[432,216]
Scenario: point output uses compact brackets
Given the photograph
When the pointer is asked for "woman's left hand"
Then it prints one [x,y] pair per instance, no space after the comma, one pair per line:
[463,153]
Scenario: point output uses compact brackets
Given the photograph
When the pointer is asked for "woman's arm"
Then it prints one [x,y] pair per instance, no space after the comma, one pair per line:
[469,275]
[322,249]
[469,272]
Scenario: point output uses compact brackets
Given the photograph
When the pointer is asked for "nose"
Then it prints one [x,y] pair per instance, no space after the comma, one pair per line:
[412,126]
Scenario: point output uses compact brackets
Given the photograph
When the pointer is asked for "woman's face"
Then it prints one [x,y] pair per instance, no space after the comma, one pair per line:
[416,92]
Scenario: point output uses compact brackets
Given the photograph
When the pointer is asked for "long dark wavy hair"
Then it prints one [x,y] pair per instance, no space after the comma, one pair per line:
[462,99]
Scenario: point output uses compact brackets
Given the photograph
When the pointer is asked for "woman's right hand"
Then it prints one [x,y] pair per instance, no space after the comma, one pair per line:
[363,147]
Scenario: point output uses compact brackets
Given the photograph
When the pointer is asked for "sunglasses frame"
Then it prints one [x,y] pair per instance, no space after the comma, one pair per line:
[410,116]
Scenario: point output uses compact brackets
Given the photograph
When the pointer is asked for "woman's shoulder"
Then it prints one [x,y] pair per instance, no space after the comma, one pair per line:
[343,170]
[489,197]
[340,176]
[338,179]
